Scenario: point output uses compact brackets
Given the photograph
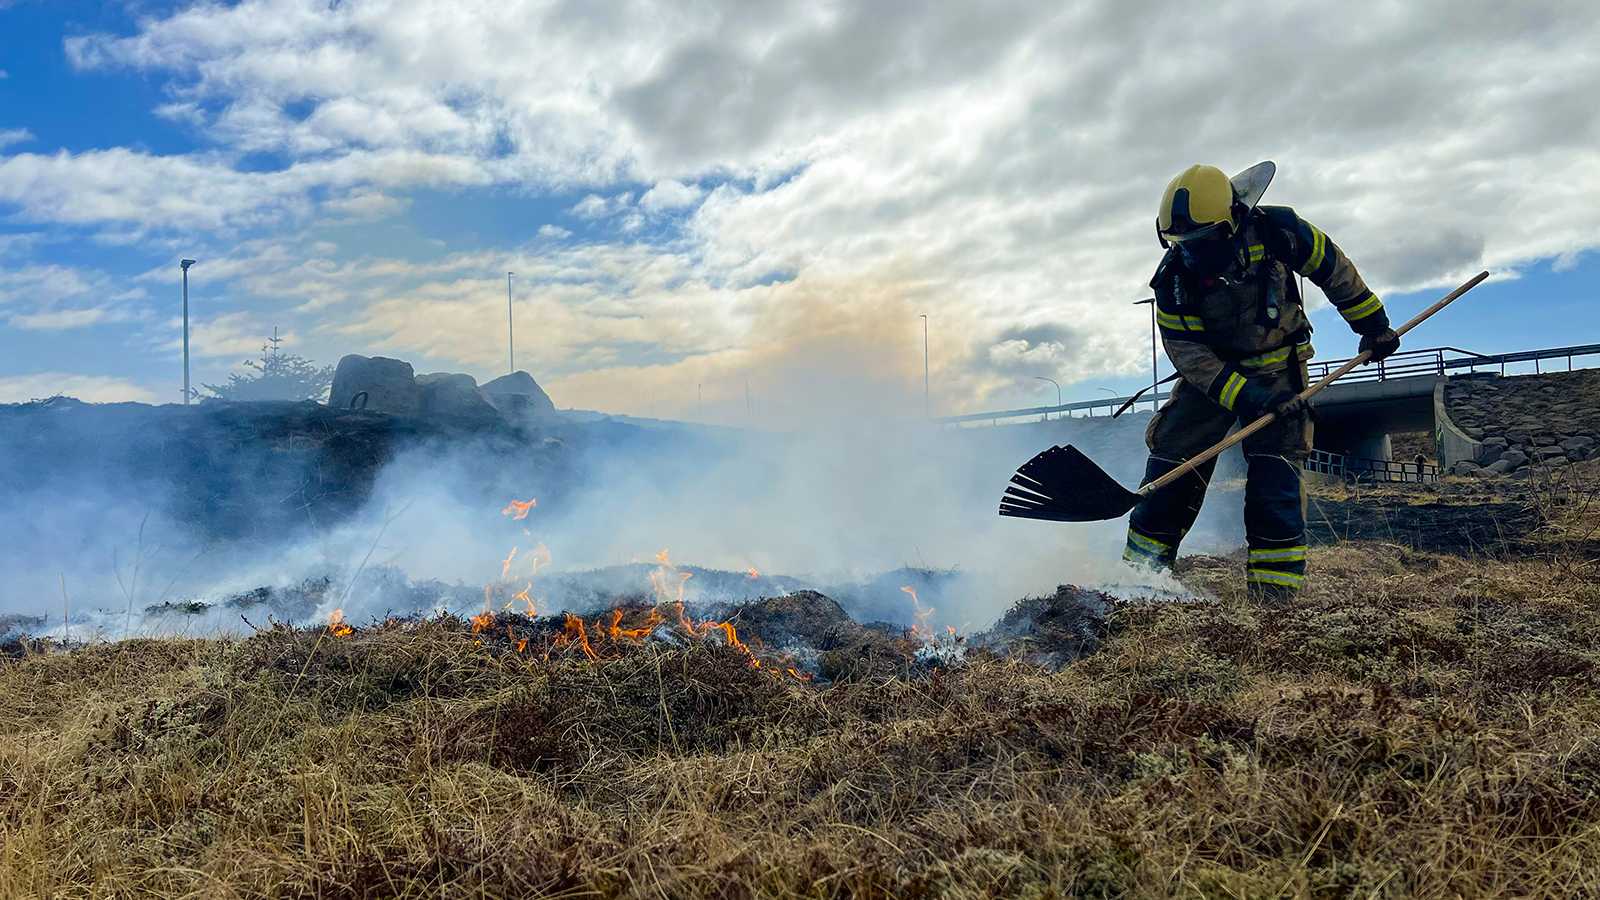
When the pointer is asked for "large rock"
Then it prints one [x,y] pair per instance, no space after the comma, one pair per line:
[1581,445]
[454,396]
[1549,454]
[1467,469]
[1516,458]
[389,384]
[518,395]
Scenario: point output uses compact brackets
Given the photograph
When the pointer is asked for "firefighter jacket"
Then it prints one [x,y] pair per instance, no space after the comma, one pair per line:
[1221,329]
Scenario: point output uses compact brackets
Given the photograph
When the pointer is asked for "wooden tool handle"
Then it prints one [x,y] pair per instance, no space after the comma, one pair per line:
[1306,394]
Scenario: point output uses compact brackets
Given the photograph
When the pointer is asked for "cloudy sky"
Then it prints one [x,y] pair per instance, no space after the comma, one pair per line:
[720,193]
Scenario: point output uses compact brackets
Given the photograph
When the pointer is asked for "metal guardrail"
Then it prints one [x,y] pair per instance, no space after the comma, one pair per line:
[1355,468]
[1109,404]
[1433,361]
[1406,364]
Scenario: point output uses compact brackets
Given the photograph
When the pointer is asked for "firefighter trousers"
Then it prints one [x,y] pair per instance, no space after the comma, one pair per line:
[1274,497]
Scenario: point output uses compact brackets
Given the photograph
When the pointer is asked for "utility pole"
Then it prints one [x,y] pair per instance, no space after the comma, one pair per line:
[927,407]
[1155,379]
[1058,395]
[511,328]
[185,264]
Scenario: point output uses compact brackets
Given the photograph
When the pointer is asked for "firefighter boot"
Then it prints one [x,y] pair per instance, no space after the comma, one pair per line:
[1275,528]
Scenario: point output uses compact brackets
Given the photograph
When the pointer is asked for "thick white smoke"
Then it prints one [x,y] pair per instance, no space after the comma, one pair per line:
[824,507]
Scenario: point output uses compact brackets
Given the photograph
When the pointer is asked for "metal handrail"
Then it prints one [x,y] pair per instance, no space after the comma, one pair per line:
[1405,364]
[1091,405]
[1371,470]
[1432,361]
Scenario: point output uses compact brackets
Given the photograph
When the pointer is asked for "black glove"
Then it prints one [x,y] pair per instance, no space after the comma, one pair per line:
[1382,344]
[1282,404]
[1285,405]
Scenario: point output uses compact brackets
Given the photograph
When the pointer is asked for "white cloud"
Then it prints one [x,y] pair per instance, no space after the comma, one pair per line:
[595,206]
[669,195]
[365,206]
[14,135]
[996,168]
[232,334]
[89,388]
[53,297]
[554,231]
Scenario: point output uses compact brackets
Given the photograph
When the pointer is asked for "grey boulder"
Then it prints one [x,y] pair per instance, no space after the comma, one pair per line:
[388,385]
[1499,467]
[454,396]
[1516,458]
[1547,454]
[519,395]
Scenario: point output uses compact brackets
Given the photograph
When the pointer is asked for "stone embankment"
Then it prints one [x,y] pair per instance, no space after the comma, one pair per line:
[1524,421]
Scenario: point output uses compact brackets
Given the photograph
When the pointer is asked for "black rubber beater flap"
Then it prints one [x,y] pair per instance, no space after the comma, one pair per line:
[1063,485]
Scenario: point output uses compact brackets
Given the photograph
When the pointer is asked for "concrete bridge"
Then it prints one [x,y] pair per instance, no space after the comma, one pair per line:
[1356,415]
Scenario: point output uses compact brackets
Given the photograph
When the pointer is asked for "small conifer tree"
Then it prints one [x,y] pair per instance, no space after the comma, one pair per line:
[278,376]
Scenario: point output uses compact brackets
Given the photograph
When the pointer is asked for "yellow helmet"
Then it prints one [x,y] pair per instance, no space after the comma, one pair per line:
[1197,203]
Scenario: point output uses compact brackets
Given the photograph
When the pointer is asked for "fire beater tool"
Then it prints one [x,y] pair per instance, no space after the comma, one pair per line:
[1063,485]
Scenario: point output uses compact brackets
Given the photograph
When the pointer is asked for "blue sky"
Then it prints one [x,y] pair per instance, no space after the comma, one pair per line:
[717,194]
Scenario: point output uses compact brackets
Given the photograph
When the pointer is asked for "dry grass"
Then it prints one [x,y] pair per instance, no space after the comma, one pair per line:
[1418,725]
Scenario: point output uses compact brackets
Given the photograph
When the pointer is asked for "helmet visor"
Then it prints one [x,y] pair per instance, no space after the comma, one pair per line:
[1202,231]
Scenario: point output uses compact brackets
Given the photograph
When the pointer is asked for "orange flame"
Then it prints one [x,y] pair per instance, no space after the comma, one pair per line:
[806,677]
[336,624]
[920,627]
[637,635]
[539,556]
[754,573]
[520,508]
[483,621]
[506,566]
[660,581]
[532,610]
[575,634]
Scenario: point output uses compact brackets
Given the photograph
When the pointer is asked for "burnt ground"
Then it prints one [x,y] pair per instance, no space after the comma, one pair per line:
[1493,527]
[1466,517]
[1417,724]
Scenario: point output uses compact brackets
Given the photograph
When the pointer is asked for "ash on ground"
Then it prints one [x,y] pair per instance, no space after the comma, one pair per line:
[1054,630]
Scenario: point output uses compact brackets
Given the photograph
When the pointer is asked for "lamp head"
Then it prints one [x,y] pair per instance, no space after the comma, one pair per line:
[186,263]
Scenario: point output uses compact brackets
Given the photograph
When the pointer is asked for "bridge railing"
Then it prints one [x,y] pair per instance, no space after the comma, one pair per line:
[1443,360]
[1433,361]
[1354,468]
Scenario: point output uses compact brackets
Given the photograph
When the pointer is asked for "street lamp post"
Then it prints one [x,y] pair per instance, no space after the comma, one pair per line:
[1058,395]
[927,406]
[511,328]
[1155,379]
[185,264]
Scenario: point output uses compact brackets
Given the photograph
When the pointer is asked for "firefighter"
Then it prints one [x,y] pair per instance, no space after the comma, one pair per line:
[1233,324]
